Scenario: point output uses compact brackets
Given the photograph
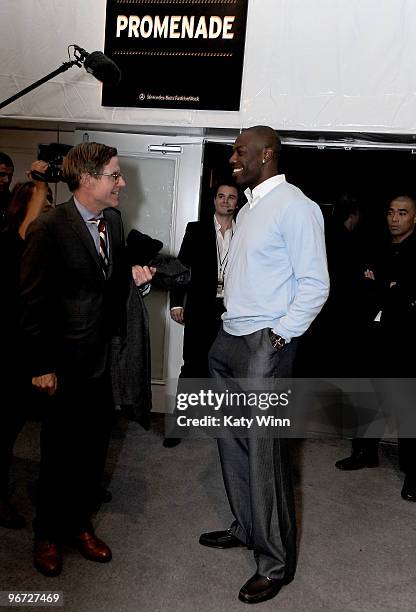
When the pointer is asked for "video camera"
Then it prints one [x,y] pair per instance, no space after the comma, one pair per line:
[53,154]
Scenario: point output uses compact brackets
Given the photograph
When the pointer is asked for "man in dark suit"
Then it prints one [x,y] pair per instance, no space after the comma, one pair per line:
[74,285]
[200,304]
[389,312]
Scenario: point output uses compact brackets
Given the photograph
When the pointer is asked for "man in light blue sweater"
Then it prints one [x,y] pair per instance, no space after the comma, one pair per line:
[276,283]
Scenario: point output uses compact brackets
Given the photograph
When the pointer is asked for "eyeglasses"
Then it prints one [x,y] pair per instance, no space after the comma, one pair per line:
[116,176]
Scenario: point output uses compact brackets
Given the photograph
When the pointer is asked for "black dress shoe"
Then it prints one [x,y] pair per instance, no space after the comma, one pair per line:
[409,489]
[357,461]
[171,442]
[9,517]
[220,539]
[260,588]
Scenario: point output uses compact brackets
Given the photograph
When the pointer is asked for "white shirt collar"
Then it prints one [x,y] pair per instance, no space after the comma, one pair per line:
[218,225]
[263,189]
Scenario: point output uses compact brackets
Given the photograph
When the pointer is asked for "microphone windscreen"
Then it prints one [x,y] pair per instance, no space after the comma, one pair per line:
[103,68]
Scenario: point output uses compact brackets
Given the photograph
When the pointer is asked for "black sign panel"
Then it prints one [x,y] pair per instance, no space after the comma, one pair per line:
[176,53]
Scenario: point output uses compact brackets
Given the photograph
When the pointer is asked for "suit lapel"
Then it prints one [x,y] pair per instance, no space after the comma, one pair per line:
[78,225]
[111,241]
[212,249]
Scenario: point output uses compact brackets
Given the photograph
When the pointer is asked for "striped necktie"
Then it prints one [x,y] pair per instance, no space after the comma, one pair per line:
[103,251]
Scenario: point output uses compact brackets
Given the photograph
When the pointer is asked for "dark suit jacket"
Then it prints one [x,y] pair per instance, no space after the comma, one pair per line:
[70,311]
[395,263]
[199,253]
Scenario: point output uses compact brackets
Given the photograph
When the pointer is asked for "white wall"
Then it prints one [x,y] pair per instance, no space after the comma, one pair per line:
[336,65]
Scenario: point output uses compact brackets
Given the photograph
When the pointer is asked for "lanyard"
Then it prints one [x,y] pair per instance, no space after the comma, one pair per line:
[222,264]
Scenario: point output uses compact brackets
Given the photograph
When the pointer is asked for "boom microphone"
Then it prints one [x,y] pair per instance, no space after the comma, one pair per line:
[100,66]
[96,63]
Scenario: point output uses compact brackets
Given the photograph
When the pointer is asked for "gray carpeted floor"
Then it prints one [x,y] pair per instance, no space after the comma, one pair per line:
[356,535]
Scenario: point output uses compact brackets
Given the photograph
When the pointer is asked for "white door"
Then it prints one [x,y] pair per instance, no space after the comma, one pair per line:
[162,194]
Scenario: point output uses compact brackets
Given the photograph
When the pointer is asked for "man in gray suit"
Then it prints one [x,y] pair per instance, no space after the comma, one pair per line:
[74,284]
[276,283]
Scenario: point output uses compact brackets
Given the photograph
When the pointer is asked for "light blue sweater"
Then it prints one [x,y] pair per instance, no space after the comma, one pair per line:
[277,273]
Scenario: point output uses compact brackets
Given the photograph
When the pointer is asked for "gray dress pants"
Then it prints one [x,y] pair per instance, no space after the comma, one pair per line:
[256,471]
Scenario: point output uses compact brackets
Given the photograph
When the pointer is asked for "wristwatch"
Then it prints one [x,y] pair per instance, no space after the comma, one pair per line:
[277,341]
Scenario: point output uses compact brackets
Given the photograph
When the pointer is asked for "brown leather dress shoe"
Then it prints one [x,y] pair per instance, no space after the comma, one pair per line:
[92,548]
[260,588]
[47,558]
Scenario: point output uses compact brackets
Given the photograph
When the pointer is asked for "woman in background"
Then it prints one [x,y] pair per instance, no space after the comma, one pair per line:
[28,201]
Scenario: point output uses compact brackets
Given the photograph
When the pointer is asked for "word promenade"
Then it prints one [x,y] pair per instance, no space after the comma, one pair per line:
[175,26]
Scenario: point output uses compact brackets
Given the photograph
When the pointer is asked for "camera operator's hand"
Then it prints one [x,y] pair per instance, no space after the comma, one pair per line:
[39,198]
[41,167]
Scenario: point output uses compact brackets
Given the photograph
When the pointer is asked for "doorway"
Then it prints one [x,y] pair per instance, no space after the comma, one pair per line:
[162,194]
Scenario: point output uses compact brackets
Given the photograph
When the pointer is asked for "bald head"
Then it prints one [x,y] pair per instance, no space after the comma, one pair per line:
[401,218]
[255,155]
[406,200]
[265,137]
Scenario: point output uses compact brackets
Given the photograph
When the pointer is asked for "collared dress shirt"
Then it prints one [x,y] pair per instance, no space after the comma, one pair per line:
[277,274]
